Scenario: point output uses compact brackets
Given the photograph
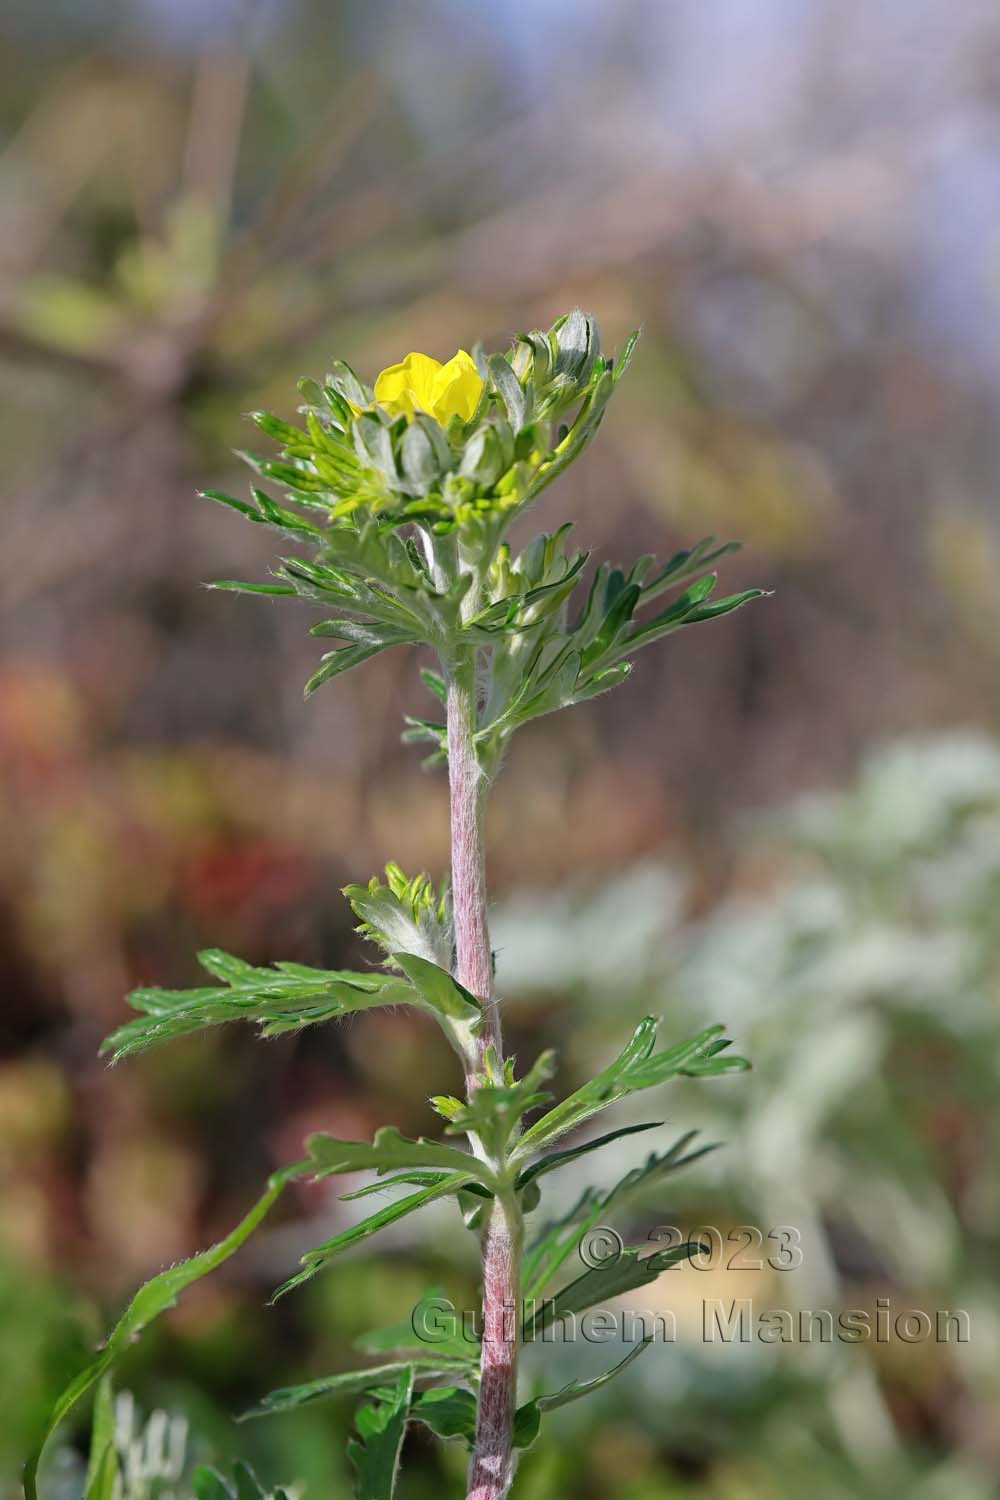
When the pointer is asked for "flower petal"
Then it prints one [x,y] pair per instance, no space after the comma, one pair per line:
[457,388]
[408,386]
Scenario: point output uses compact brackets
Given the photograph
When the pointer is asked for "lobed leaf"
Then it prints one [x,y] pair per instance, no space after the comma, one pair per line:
[636,1067]
[450,1412]
[499,1101]
[605,1282]
[314,1260]
[402,1337]
[381,1426]
[347,1382]
[406,915]
[388,1151]
[559,1159]
[559,1239]
[283,998]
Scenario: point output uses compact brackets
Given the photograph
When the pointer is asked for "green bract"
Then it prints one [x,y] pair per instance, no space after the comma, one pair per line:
[405,521]
[353,460]
[398,525]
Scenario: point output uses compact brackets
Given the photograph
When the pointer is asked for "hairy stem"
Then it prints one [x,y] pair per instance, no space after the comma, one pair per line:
[491,1466]
[468,785]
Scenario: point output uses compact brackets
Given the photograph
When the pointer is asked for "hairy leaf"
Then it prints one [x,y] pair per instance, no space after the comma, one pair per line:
[438,988]
[636,1067]
[624,1274]
[577,1389]
[152,1299]
[498,1102]
[348,1382]
[279,999]
[314,1260]
[558,1240]
[560,1158]
[405,915]
[434,1329]
[450,1412]
[381,1425]
[388,1151]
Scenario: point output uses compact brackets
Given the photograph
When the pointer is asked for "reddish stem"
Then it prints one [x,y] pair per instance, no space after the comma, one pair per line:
[491,1466]
[468,785]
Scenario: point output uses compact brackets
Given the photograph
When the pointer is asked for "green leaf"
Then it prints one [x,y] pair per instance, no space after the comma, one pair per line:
[558,1240]
[388,1151]
[314,1260]
[408,915]
[283,998]
[152,1299]
[448,1410]
[636,1067]
[381,1425]
[237,586]
[418,1177]
[625,358]
[363,633]
[243,506]
[448,1343]
[577,1389]
[560,1158]
[596,1094]
[344,381]
[373,445]
[527,1421]
[602,681]
[484,458]
[606,1282]
[208,1484]
[685,562]
[434,683]
[102,1466]
[498,1101]
[672,618]
[614,624]
[348,1382]
[723,606]
[441,992]
[282,432]
[335,662]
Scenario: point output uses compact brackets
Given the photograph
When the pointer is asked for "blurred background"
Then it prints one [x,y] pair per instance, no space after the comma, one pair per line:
[789,822]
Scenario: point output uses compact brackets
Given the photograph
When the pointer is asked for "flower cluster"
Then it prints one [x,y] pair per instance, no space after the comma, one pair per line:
[445,444]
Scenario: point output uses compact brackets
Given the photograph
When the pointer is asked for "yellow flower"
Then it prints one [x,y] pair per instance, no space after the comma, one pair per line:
[420,383]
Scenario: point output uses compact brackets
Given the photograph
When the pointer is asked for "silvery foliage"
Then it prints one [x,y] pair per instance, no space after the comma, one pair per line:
[875,934]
